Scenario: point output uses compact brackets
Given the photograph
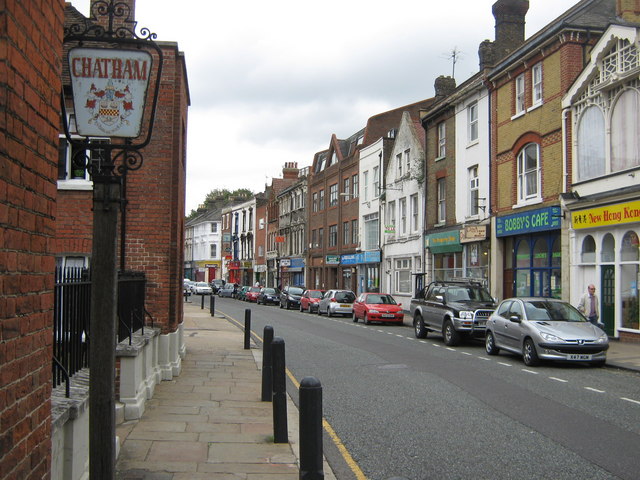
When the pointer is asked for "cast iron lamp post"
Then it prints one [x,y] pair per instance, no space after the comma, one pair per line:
[110,68]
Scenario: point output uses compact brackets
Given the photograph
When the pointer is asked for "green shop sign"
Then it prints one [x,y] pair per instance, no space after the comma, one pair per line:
[444,242]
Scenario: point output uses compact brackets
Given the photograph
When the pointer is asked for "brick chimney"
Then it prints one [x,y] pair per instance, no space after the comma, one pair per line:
[628,10]
[128,13]
[290,170]
[509,30]
[444,86]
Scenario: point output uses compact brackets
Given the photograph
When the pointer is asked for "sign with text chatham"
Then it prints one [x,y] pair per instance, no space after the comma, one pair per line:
[109,90]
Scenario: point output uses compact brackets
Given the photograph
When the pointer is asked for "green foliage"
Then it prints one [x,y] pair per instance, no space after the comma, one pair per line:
[220,198]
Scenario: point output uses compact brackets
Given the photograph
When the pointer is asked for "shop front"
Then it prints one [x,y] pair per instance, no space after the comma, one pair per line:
[445,253]
[531,249]
[292,270]
[361,271]
[234,272]
[475,251]
[605,245]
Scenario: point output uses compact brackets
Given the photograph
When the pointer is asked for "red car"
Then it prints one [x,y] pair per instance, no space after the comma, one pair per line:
[252,294]
[377,307]
[310,299]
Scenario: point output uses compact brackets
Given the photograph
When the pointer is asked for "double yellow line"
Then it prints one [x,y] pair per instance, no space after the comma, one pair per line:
[325,424]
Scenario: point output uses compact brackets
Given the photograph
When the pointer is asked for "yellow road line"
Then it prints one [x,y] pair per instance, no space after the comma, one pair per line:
[351,463]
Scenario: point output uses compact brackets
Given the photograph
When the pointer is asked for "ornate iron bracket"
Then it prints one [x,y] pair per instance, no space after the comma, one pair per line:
[113,158]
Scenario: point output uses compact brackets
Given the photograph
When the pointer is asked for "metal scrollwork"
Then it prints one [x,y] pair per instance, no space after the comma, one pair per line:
[131,160]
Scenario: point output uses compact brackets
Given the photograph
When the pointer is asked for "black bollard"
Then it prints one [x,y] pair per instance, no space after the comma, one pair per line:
[212,304]
[311,429]
[280,429]
[267,373]
[202,302]
[247,328]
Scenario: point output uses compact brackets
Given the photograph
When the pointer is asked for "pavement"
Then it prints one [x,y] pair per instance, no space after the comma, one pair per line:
[209,422]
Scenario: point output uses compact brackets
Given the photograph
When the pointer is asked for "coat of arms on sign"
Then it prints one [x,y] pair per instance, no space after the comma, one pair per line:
[109,107]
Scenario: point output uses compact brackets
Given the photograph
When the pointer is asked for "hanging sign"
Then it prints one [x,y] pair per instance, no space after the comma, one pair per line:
[109,90]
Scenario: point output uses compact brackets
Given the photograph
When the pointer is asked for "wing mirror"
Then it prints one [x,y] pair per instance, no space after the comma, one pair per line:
[515,319]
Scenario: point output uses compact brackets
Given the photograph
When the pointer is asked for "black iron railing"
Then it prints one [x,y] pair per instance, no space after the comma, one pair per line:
[72,308]
[72,311]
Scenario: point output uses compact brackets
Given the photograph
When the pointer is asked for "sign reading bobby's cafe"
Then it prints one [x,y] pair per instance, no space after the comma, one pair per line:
[109,90]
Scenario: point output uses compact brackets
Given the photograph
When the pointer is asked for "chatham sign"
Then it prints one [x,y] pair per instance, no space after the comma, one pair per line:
[109,90]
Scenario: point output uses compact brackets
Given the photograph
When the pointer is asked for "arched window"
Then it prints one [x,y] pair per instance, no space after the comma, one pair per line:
[629,247]
[529,173]
[608,249]
[591,141]
[625,131]
[540,253]
[588,254]
[522,255]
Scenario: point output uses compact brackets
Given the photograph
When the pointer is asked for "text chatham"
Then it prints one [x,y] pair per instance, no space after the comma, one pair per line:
[114,68]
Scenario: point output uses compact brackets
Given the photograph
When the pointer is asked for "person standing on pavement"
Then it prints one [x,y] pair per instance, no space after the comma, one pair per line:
[589,304]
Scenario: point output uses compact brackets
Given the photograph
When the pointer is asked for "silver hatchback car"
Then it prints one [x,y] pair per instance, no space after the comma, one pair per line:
[545,329]
[337,302]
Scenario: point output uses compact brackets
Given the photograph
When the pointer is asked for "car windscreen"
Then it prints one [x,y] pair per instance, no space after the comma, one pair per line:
[381,299]
[547,311]
[315,294]
[270,291]
[346,297]
[462,294]
[295,291]
[254,289]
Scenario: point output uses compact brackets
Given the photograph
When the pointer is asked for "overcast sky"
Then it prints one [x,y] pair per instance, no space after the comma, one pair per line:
[271,81]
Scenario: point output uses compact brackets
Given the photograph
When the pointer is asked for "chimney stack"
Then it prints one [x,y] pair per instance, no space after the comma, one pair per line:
[628,10]
[509,29]
[290,170]
[444,86]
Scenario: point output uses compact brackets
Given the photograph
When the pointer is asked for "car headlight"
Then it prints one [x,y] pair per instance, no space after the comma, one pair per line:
[602,339]
[466,315]
[549,337]
[374,311]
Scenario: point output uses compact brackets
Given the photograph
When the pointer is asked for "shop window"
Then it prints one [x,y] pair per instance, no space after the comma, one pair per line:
[608,248]
[629,296]
[523,257]
[556,253]
[540,253]
[629,247]
[588,254]
[403,275]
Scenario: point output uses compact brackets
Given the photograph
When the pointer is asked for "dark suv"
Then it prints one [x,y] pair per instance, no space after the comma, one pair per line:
[290,297]
[453,308]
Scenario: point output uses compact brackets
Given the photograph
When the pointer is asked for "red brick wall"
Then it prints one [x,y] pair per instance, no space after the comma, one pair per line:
[30,62]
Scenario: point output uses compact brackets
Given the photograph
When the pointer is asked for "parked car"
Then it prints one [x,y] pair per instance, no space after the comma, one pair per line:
[202,288]
[252,294]
[241,292]
[227,291]
[337,302]
[377,307]
[545,329]
[216,284]
[455,308]
[268,295]
[290,297]
[310,299]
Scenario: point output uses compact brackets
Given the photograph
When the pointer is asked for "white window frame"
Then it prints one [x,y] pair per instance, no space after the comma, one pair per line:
[472,122]
[402,212]
[524,173]
[474,191]
[520,92]
[391,215]
[399,165]
[407,160]
[415,213]
[213,250]
[442,200]
[402,275]
[376,182]
[333,195]
[442,140]
[536,84]
[365,185]
[355,186]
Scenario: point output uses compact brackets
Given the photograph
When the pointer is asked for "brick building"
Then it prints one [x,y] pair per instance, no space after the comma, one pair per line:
[31,42]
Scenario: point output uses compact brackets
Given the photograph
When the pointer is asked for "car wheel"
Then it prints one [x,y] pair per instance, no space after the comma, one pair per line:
[365,319]
[286,305]
[490,344]
[301,309]
[419,328]
[354,318]
[451,337]
[329,314]
[529,353]
[280,304]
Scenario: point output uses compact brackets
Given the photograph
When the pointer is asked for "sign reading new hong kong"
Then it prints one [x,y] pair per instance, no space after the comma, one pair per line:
[109,90]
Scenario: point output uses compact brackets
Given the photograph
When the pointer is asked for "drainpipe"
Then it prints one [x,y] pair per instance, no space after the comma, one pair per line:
[565,167]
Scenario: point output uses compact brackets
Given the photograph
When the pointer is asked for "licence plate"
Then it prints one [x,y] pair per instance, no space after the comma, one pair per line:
[387,315]
[576,356]
[345,306]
